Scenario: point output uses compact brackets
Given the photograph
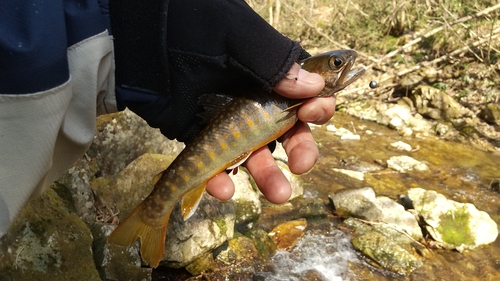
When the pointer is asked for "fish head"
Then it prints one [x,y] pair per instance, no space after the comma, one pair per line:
[336,68]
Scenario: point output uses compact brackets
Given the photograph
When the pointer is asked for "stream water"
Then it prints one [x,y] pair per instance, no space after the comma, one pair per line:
[457,170]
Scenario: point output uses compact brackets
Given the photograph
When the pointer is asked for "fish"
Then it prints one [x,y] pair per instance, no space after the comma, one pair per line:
[243,125]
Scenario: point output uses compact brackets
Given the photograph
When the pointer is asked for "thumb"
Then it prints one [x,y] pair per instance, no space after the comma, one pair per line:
[300,83]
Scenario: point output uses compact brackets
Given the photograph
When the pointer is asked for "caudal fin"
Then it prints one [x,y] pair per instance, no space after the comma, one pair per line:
[152,237]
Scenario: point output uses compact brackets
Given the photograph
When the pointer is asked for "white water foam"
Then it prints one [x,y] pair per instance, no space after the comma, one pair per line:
[327,254]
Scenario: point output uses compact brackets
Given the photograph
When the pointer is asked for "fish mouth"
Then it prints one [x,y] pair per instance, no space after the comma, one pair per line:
[346,78]
[351,76]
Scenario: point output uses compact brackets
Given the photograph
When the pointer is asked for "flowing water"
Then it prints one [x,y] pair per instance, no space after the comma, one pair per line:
[457,170]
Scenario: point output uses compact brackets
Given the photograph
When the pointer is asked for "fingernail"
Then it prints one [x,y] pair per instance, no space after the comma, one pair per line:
[308,77]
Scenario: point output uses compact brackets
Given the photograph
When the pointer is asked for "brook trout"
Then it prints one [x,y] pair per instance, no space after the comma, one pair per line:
[241,127]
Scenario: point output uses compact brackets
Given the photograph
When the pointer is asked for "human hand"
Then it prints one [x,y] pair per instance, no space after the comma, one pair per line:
[298,142]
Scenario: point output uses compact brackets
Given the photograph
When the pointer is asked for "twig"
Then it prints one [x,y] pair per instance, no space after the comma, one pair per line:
[438,29]
[456,34]
[361,54]
[495,33]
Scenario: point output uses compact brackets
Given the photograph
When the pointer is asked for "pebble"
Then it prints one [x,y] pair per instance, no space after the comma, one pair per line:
[401,146]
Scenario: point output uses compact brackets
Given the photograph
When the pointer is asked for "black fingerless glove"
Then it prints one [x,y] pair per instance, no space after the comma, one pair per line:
[169,53]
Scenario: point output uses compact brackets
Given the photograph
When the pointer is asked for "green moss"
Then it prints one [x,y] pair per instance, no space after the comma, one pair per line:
[44,241]
[264,244]
[221,223]
[245,211]
[454,227]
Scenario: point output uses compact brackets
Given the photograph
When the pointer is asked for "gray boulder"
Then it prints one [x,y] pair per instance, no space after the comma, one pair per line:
[362,203]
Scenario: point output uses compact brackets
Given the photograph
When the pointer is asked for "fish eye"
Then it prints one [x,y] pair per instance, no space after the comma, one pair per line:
[336,62]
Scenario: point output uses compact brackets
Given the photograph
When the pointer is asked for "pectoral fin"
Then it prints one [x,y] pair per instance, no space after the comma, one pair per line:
[191,200]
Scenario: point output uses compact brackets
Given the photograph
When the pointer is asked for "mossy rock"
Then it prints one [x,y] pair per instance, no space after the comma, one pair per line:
[48,241]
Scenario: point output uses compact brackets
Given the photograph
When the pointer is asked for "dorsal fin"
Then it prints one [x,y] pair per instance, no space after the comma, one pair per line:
[212,103]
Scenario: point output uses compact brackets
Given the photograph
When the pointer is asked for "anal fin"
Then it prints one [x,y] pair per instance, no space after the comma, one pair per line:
[191,200]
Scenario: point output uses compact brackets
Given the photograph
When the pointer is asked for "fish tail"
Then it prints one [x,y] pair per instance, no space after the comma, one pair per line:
[152,236]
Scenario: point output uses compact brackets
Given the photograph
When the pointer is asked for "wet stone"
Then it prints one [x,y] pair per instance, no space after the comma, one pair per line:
[246,201]
[210,226]
[202,264]
[385,247]
[287,234]
[116,262]
[454,225]
[264,244]
[362,203]
[239,260]
[405,163]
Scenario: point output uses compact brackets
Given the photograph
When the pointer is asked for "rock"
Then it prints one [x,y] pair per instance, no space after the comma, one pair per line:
[362,203]
[405,164]
[353,174]
[495,185]
[77,184]
[312,208]
[490,113]
[48,241]
[204,263]
[106,158]
[403,119]
[295,180]
[279,153]
[210,226]
[263,242]
[442,129]
[115,262]
[399,145]
[287,234]
[455,225]
[388,248]
[246,201]
[241,260]
[134,183]
[122,137]
[397,116]
[437,105]
[343,133]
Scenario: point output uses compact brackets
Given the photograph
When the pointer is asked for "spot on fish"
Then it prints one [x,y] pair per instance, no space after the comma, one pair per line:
[236,134]
[250,123]
[223,146]
[186,178]
[211,154]
[200,165]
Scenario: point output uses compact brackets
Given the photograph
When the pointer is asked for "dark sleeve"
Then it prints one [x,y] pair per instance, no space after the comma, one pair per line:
[34,38]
